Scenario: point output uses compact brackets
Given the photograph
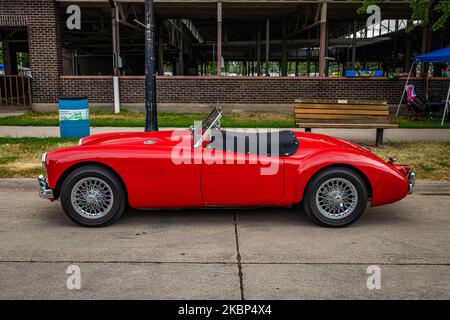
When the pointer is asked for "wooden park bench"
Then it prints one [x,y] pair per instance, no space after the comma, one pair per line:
[351,114]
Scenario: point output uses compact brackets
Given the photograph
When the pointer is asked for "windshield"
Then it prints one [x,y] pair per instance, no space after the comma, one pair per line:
[212,118]
[211,121]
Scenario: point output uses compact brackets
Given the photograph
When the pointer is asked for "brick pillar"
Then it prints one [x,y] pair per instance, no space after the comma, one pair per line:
[40,17]
[45,50]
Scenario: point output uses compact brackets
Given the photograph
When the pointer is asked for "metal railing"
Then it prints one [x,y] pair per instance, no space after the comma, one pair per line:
[15,90]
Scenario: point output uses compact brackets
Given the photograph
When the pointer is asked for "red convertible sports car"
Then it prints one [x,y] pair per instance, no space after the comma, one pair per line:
[207,167]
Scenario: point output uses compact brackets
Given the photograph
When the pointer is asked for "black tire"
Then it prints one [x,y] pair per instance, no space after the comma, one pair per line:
[98,173]
[326,175]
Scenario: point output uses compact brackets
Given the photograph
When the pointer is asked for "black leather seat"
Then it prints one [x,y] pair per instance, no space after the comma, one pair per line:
[281,143]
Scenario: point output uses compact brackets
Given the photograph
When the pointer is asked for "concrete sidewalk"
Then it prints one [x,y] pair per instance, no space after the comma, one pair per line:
[348,134]
[266,253]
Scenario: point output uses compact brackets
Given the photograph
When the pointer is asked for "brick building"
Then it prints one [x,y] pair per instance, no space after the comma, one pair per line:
[260,55]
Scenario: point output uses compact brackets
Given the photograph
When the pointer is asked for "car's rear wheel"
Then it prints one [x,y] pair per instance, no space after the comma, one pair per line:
[336,197]
[92,196]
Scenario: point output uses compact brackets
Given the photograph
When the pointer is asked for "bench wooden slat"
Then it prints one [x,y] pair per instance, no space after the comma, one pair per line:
[347,125]
[341,106]
[344,122]
[341,101]
[340,116]
[330,113]
[338,111]
[349,120]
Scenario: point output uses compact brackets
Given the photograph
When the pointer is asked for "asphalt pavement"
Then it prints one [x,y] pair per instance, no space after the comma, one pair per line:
[270,253]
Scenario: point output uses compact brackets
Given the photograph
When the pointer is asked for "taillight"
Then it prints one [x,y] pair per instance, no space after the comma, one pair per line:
[404,169]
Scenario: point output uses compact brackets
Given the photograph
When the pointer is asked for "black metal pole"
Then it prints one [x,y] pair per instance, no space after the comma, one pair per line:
[151,123]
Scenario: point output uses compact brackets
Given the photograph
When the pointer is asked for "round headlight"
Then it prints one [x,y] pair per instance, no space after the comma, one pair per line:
[80,142]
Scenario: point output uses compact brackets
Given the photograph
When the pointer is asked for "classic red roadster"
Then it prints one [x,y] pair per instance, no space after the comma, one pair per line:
[205,166]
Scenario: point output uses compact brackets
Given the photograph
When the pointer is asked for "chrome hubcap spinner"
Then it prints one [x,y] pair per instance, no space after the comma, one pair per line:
[92,198]
[336,198]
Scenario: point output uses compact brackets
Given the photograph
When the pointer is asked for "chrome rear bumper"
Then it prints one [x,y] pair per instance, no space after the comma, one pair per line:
[44,190]
[412,181]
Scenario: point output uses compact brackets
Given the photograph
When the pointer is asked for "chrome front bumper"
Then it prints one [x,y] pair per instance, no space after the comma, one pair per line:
[412,181]
[44,190]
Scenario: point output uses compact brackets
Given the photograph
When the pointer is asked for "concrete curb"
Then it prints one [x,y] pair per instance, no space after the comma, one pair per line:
[422,186]
[19,183]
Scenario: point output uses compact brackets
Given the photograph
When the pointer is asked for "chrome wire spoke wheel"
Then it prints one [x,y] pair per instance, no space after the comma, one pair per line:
[336,198]
[92,198]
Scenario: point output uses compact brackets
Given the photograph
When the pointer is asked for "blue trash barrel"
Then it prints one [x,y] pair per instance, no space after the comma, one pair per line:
[73,117]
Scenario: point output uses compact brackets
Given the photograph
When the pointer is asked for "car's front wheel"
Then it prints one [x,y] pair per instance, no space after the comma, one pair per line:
[336,197]
[92,196]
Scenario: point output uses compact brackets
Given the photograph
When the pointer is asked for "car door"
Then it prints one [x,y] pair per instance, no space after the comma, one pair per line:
[162,174]
[240,178]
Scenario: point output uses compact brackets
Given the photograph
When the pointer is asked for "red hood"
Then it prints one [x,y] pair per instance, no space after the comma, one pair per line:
[161,138]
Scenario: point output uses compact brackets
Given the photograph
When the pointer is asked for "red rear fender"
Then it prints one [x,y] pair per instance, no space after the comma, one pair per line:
[386,183]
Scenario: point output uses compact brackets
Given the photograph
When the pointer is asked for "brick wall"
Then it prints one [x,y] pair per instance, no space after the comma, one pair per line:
[244,90]
[40,19]
[97,89]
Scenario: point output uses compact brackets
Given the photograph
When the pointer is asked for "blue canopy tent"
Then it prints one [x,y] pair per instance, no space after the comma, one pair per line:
[441,55]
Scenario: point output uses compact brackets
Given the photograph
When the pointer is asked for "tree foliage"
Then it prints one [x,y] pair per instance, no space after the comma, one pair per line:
[423,12]
[443,7]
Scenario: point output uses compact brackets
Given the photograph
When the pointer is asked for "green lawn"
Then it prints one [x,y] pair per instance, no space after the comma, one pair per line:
[20,157]
[436,124]
[429,160]
[103,118]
